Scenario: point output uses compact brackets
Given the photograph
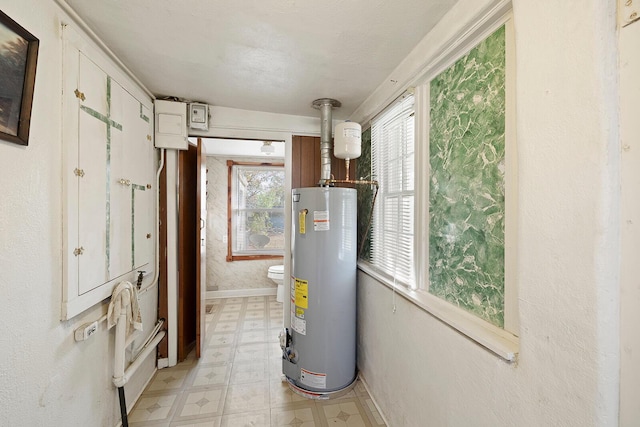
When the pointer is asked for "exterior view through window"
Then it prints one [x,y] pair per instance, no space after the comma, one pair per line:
[257,209]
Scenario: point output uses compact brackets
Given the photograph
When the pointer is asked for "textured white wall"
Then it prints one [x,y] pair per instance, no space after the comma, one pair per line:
[47,378]
[630,288]
[223,275]
[421,371]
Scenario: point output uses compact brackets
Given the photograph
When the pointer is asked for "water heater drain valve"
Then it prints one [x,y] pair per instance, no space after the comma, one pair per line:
[285,338]
[288,353]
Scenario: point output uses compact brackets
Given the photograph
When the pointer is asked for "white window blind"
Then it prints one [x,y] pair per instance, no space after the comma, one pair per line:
[392,164]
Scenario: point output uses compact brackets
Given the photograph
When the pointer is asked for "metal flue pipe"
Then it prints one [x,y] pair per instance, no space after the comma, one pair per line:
[325,105]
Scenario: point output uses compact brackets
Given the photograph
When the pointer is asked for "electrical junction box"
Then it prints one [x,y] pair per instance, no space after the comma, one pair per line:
[171,125]
[199,116]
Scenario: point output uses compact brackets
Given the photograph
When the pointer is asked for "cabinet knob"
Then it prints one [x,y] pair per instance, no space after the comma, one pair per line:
[79,95]
[125,182]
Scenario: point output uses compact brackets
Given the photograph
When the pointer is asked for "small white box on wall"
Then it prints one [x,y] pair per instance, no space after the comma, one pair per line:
[171,125]
[199,116]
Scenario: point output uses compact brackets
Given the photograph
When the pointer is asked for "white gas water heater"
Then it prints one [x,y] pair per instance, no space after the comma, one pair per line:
[319,346]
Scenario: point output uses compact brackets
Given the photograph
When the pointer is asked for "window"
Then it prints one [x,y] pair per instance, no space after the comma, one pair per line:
[255,211]
[467,176]
[445,219]
[392,164]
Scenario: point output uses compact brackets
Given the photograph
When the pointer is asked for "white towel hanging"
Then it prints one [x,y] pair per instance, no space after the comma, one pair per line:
[125,297]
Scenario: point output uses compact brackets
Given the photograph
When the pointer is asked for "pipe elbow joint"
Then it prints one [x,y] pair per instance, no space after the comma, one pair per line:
[119,381]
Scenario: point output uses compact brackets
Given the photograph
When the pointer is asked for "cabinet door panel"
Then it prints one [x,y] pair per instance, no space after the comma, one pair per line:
[121,182]
[144,206]
[92,83]
[92,186]
[120,200]
[142,227]
[138,162]
[92,230]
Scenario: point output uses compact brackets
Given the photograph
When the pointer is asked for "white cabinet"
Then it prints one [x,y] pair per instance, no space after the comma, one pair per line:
[109,177]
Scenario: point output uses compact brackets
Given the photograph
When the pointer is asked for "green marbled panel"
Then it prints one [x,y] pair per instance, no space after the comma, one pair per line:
[466,186]
[365,194]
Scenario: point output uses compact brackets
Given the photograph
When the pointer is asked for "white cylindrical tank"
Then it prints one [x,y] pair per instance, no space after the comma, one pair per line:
[347,140]
[319,356]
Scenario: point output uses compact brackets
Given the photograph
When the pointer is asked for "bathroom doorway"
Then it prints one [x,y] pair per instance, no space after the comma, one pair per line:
[168,305]
[246,197]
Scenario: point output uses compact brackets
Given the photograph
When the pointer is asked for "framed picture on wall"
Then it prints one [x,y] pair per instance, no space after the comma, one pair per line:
[18,57]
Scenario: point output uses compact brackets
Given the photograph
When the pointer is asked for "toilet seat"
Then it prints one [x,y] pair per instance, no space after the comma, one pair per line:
[276,272]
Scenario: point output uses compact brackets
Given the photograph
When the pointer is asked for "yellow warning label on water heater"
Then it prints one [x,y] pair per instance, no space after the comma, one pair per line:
[302,293]
[302,219]
[299,313]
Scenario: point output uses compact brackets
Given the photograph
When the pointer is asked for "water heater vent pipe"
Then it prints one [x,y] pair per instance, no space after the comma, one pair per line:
[325,105]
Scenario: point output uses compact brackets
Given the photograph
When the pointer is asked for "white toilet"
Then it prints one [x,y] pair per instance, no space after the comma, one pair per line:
[276,273]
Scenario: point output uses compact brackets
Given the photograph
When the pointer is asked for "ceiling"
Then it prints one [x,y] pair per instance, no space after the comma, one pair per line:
[263,55]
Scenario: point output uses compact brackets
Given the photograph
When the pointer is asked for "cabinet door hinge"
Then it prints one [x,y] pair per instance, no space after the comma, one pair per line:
[79,95]
[629,12]
[78,172]
[78,251]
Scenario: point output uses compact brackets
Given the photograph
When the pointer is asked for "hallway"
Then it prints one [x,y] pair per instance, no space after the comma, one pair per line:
[238,380]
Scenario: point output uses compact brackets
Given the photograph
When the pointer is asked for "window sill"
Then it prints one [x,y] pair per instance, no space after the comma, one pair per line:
[252,257]
[494,339]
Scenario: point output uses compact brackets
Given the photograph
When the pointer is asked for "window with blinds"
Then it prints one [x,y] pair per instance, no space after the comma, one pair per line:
[453,174]
[392,164]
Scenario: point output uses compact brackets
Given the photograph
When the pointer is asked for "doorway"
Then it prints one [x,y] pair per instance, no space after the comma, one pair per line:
[182,292]
[169,289]
[246,215]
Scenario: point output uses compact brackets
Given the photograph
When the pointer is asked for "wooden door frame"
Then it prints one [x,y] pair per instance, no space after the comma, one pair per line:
[187,224]
[163,304]
[184,343]
[201,249]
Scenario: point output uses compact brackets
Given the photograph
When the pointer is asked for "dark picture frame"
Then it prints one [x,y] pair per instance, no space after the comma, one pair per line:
[18,58]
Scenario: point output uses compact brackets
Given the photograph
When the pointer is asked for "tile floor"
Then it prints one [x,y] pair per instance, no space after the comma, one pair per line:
[238,380]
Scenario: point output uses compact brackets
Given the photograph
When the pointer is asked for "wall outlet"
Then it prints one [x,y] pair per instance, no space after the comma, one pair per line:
[86,330]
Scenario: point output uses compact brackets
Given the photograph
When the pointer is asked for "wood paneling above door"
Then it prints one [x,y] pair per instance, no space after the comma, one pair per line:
[305,166]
